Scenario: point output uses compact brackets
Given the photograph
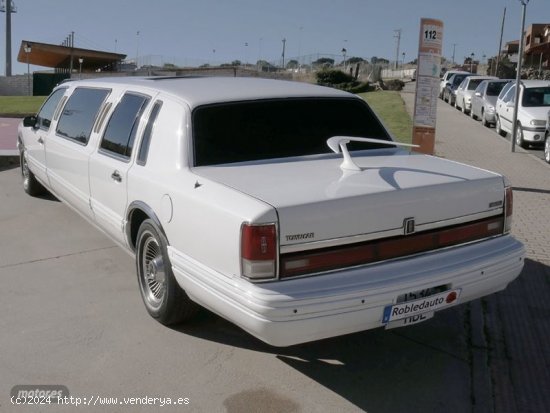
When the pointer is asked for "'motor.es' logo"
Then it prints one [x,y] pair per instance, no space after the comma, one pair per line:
[42,393]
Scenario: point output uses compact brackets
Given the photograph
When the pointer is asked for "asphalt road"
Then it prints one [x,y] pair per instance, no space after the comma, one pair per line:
[72,316]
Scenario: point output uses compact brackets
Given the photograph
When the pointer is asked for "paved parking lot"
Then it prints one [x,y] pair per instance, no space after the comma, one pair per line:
[72,315]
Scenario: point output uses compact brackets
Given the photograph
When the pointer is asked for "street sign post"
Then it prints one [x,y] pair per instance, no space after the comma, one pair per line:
[427,84]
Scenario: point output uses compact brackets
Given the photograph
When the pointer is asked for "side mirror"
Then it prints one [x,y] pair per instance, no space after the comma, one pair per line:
[448,84]
[509,104]
[30,121]
[478,94]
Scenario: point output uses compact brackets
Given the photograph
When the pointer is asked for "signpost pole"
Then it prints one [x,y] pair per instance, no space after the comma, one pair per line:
[427,84]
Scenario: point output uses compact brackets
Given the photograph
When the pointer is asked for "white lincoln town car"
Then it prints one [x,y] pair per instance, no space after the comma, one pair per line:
[284,207]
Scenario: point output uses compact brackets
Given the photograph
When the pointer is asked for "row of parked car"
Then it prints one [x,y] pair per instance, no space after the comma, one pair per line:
[492,100]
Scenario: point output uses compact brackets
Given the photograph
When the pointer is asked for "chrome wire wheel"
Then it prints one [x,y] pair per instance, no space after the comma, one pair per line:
[152,275]
[25,173]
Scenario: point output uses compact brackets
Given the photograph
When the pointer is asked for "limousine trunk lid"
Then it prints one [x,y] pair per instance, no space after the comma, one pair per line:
[316,200]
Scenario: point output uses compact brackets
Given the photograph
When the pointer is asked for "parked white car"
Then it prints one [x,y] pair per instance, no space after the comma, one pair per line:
[534,103]
[232,194]
[446,77]
[466,90]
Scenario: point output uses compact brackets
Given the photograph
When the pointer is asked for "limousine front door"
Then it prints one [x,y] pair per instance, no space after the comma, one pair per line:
[69,149]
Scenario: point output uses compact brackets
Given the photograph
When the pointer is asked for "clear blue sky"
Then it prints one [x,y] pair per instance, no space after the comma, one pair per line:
[188,31]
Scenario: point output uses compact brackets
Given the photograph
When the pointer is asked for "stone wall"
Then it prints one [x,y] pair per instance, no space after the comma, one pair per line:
[14,85]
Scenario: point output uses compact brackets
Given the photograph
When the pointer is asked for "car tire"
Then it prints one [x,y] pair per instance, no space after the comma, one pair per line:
[547,148]
[519,136]
[164,299]
[484,119]
[498,128]
[30,184]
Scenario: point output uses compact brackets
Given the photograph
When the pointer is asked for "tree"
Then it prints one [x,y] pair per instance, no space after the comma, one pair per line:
[324,61]
[292,64]
[354,59]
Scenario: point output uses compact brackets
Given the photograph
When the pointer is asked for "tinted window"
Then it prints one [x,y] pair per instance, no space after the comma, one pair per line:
[504,90]
[121,130]
[481,88]
[144,148]
[246,131]
[44,117]
[79,114]
[536,96]
[494,88]
[474,83]
[458,79]
[510,95]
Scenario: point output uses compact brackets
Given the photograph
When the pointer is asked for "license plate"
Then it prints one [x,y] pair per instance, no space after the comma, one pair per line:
[409,321]
[423,305]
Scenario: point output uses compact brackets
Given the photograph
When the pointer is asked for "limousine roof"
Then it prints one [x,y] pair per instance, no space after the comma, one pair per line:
[198,91]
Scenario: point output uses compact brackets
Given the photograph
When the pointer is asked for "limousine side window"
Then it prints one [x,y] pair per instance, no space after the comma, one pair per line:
[44,117]
[120,132]
[80,112]
[144,147]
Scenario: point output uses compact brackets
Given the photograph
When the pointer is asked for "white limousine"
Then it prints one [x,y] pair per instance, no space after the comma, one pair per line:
[284,207]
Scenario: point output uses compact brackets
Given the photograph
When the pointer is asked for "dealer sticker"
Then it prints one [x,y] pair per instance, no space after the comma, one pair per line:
[423,305]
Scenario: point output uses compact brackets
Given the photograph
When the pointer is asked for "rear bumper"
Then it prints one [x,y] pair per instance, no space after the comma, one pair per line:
[289,312]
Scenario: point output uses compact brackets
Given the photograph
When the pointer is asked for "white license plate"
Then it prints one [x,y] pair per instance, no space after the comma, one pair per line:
[409,321]
[423,305]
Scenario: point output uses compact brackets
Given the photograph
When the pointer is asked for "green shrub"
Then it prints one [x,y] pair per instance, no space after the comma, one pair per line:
[395,84]
[331,77]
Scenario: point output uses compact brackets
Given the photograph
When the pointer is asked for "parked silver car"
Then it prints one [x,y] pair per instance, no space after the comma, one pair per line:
[485,99]
[466,90]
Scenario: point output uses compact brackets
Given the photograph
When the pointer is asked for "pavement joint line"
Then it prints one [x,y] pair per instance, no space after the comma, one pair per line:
[420,343]
[57,257]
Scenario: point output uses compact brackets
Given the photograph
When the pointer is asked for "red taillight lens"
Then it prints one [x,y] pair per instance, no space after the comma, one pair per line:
[259,251]
[308,262]
[508,209]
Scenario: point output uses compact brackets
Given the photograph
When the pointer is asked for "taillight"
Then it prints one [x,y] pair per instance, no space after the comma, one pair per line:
[508,209]
[259,251]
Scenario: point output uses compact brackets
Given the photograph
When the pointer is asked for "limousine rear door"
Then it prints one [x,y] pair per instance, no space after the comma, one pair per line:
[109,165]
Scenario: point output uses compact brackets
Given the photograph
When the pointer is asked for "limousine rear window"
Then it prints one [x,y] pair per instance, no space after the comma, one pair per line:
[144,148]
[279,128]
[80,112]
[120,132]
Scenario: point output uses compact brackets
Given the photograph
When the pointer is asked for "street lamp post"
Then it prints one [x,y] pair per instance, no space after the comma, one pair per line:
[472,62]
[80,61]
[518,79]
[344,51]
[27,50]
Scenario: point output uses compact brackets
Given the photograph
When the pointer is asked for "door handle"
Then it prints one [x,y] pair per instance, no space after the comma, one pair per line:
[116,176]
[40,140]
